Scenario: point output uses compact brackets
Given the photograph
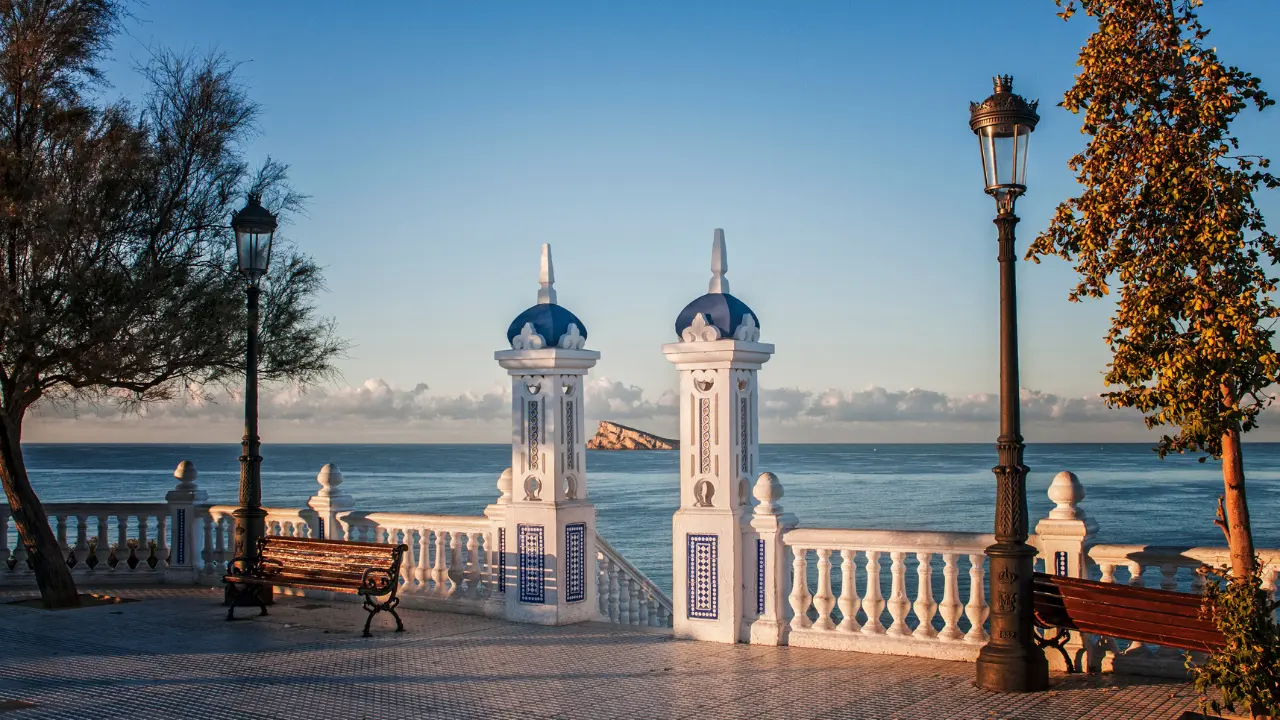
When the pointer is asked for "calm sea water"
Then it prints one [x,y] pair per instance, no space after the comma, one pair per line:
[1134,496]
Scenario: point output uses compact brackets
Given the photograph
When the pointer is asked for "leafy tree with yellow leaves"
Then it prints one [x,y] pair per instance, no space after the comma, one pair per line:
[1167,217]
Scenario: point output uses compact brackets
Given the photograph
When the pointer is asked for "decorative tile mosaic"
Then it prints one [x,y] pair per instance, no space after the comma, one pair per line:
[704,425]
[533,434]
[320,521]
[704,577]
[759,577]
[502,560]
[180,534]
[533,581]
[568,429]
[575,564]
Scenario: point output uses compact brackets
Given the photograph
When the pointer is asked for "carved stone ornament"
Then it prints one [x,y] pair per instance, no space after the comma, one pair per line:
[533,388]
[703,493]
[528,339]
[748,331]
[532,488]
[701,330]
[570,488]
[704,384]
[572,339]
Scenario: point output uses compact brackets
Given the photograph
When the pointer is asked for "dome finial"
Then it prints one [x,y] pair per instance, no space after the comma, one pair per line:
[547,278]
[719,265]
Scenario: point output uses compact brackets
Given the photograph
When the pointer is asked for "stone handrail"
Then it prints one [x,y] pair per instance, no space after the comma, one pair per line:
[450,557]
[139,553]
[626,595]
[916,624]
[1140,563]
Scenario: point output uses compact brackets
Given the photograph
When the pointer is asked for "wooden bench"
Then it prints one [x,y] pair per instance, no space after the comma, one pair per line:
[368,569]
[1161,617]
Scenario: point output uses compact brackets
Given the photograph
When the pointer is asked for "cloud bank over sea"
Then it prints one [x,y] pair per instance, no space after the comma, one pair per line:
[376,411]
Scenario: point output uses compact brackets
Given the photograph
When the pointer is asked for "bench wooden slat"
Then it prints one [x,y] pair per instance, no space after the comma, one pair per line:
[1161,617]
[356,557]
[353,545]
[326,563]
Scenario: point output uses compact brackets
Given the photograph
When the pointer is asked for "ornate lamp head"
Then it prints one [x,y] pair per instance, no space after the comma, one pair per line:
[1004,123]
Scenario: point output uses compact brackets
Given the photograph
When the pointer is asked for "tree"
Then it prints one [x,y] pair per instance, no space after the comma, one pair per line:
[1167,213]
[118,278]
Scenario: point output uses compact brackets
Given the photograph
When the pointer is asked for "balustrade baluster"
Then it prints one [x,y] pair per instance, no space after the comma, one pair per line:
[102,546]
[422,563]
[924,606]
[456,568]
[20,556]
[61,534]
[614,601]
[950,607]
[873,600]
[624,597]
[1108,572]
[162,541]
[824,601]
[602,583]
[473,550]
[800,596]
[899,605]
[438,571]
[849,601]
[977,609]
[645,599]
[122,543]
[81,551]
[634,600]
[1168,577]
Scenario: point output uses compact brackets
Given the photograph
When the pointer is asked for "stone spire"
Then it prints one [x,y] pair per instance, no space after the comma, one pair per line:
[719,265]
[547,278]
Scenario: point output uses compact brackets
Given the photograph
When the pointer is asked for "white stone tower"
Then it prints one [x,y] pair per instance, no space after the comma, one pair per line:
[547,543]
[718,356]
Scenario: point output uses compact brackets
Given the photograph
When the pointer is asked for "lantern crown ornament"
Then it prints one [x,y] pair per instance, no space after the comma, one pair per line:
[255,227]
[1004,123]
[547,324]
[718,315]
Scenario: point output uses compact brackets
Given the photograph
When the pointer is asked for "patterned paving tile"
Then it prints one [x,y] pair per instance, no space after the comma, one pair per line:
[172,655]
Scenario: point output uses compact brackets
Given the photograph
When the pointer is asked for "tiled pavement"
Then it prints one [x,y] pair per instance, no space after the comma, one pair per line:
[171,655]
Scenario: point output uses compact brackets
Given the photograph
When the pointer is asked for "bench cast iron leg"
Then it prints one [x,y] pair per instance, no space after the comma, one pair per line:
[1058,642]
[391,608]
[372,608]
[235,596]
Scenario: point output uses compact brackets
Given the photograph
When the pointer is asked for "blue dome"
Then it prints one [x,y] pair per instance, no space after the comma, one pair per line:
[726,312]
[549,320]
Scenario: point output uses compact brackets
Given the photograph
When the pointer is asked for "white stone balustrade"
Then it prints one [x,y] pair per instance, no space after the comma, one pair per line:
[626,595]
[902,574]
[108,542]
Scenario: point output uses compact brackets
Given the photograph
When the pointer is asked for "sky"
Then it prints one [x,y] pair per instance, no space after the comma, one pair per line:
[442,143]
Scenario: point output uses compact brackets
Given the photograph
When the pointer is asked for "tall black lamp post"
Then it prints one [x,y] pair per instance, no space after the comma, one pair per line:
[1010,661]
[255,227]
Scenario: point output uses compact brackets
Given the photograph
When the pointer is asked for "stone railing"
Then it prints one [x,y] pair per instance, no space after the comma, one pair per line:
[911,603]
[1164,568]
[627,596]
[452,559]
[109,542]
[453,563]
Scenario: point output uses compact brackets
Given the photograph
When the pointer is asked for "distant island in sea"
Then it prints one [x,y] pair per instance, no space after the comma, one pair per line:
[612,436]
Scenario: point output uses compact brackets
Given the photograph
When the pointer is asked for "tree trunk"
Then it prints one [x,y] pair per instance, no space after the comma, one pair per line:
[57,589]
[1239,534]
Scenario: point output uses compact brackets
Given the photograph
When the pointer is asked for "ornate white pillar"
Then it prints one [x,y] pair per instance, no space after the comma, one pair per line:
[718,358]
[182,500]
[329,502]
[1063,540]
[547,541]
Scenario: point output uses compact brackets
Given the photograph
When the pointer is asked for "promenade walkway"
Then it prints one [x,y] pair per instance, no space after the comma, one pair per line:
[171,655]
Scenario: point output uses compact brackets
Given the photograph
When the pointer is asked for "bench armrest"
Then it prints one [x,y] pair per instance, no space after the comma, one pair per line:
[377,580]
[248,566]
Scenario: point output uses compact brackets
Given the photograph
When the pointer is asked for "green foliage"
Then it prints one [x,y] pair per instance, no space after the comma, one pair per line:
[1167,213]
[1246,672]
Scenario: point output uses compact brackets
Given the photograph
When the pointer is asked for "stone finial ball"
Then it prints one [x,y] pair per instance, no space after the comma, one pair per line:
[504,483]
[767,490]
[1066,492]
[186,473]
[330,476]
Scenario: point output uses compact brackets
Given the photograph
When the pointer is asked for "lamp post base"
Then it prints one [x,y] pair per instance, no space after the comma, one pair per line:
[1010,661]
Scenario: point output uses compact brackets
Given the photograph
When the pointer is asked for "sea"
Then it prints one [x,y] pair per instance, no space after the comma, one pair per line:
[1134,496]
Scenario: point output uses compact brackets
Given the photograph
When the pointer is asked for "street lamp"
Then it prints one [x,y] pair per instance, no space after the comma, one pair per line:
[255,227]
[1010,661]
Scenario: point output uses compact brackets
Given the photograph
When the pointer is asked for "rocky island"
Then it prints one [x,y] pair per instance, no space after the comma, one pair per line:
[612,436]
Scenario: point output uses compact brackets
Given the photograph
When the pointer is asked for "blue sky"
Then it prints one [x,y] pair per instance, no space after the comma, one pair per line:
[442,143]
